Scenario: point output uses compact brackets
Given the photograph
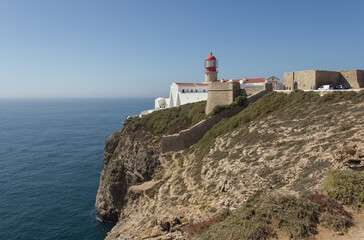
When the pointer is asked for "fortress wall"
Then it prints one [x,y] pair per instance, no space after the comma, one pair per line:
[305,79]
[288,80]
[313,79]
[327,78]
[188,137]
[360,78]
[354,78]
[221,94]
[250,91]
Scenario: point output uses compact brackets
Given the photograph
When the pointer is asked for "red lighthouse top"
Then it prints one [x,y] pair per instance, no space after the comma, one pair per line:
[210,57]
[211,63]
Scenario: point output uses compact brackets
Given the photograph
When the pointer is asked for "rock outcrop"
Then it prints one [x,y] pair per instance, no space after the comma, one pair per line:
[349,156]
[130,157]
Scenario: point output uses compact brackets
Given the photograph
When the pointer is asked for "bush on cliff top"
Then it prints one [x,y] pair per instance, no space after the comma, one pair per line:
[173,120]
[262,215]
[239,101]
[345,186]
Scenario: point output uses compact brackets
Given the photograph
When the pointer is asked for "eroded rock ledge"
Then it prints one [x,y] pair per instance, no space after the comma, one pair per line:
[130,157]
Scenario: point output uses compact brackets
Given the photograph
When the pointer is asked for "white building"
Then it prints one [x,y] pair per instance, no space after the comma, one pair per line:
[183,93]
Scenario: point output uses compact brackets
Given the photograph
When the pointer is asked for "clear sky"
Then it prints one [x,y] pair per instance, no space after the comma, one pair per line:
[85,48]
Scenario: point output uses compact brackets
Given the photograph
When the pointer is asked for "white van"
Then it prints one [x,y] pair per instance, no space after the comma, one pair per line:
[326,87]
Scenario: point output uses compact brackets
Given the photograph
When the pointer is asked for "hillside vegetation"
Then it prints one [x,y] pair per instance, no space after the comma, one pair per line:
[173,120]
[285,107]
[263,214]
[265,172]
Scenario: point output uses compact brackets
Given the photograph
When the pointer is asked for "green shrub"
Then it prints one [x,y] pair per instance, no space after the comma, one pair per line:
[241,100]
[358,98]
[263,214]
[259,217]
[334,215]
[220,108]
[344,185]
[173,120]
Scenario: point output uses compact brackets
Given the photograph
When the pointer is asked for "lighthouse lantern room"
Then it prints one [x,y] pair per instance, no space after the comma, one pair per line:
[210,65]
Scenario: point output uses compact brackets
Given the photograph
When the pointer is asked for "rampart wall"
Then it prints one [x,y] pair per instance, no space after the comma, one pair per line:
[355,78]
[313,79]
[304,80]
[250,91]
[221,93]
[188,137]
[326,78]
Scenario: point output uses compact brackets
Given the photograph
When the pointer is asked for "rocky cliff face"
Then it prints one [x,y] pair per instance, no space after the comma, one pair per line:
[155,196]
[130,157]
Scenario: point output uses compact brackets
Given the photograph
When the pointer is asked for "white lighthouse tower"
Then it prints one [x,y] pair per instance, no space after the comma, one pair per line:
[210,65]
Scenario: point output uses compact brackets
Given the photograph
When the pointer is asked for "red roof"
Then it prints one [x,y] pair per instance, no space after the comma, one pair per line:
[210,57]
[192,84]
[255,80]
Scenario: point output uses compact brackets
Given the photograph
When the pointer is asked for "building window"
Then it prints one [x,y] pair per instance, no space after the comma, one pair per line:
[196,90]
[204,90]
[183,90]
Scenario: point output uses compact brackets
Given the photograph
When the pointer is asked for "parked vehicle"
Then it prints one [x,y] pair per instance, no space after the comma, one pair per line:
[340,87]
[326,87]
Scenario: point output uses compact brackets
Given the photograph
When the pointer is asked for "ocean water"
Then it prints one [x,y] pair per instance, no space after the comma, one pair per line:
[50,162]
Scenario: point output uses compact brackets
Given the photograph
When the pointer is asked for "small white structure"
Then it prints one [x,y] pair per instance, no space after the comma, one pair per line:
[183,93]
[247,82]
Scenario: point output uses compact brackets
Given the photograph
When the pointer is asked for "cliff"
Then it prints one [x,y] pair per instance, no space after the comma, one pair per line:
[130,157]
[281,144]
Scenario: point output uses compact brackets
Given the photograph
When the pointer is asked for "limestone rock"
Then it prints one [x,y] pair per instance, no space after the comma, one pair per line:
[130,156]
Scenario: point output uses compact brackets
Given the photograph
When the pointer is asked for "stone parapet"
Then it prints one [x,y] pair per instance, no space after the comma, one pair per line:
[221,93]
[188,137]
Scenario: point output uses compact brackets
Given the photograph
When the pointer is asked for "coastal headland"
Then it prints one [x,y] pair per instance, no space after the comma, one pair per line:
[273,166]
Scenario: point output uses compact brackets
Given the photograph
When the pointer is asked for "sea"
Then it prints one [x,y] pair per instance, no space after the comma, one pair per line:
[50,162]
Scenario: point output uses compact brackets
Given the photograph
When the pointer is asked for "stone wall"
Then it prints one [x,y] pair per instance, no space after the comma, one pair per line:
[354,78]
[188,137]
[288,80]
[221,93]
[313,79]
[327,78]
[360,78]
[304,80]
[250,91]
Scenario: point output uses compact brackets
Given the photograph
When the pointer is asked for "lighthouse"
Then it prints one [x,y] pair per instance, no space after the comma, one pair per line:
[210,65]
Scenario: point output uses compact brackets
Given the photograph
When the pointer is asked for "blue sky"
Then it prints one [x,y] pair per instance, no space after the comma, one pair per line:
[85,48]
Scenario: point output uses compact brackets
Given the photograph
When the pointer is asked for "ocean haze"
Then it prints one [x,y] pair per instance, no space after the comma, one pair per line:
[50,162]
